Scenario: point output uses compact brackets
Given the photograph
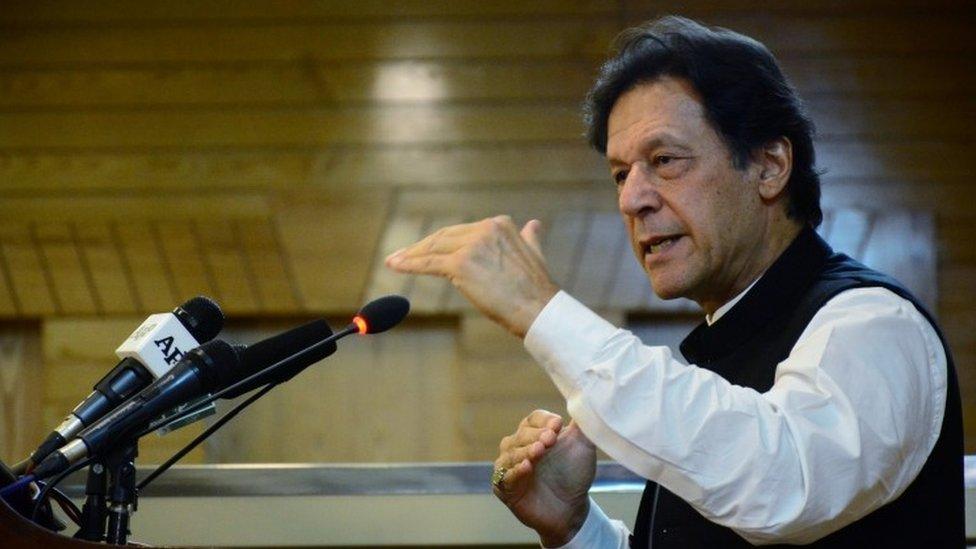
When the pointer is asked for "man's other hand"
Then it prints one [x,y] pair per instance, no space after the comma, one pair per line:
[549,470]
[497,267]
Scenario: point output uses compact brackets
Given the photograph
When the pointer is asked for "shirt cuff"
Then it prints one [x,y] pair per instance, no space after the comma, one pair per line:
[597,531]
[565,338]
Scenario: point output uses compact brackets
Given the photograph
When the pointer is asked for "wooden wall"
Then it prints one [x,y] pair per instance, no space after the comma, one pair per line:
[266,153]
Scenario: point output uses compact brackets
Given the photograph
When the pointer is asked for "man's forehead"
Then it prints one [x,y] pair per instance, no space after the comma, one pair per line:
[666,110]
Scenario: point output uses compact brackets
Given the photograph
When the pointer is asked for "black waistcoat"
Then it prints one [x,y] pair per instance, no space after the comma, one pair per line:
[745,346]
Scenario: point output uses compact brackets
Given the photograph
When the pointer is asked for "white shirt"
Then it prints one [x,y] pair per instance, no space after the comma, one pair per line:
[853,414]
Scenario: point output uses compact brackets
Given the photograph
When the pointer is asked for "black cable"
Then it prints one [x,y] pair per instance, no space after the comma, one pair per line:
[202,436]
[54,482]
[70,509]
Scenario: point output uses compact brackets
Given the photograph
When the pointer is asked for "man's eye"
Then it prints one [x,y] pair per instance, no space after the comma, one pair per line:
[620,177]
[664,160]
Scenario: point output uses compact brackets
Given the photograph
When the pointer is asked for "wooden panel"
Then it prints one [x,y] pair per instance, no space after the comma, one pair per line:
[327,239]
[302,84]
[27,274]
[514,165]
[131,210]
[221,250]
[291,128]
[298,41]
[920,33]
[21,428]
[308,127]
[184,253]
[70,278]
[111,283]
[274,287]
[151,275]
[20,11]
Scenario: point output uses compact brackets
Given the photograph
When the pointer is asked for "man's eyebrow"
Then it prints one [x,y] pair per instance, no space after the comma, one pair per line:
[653,141]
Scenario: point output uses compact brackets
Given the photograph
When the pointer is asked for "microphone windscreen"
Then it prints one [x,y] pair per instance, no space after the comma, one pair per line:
[280,347]
[218,363]
[202,318]
[384,313]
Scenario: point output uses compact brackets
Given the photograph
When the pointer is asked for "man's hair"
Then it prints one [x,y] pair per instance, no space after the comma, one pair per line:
[745,95]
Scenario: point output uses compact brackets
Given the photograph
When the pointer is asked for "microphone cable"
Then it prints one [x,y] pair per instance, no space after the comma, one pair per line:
[204,435]
[54,482]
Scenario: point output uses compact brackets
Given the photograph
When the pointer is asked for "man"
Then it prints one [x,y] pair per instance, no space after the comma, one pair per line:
[818,405]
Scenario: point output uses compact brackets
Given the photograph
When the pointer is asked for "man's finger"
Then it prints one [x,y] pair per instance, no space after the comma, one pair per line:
[433,264]
[532,234]
[543,418]
[527,435]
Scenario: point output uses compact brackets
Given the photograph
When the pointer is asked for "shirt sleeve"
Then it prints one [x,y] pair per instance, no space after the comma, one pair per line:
[852,416]
[599,531]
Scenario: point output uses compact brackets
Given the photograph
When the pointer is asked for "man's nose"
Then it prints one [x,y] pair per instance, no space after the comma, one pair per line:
[638,196]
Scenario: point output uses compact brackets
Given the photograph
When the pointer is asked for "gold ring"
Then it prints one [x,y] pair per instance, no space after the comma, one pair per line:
[498,476]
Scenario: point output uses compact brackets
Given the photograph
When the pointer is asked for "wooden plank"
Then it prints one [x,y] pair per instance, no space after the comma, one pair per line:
[955,234]
[22,12]
[21,380]
[143,257]
[425,124]
[330,84]
[116,11]
[588,36]
[156,170]
[9,306]
[69,277]
[297,41]
[220,248]
[110,280]
[290,127]
[275,289]
[184,254]
[513,165]
[327,239]
[26,269]
[134,209]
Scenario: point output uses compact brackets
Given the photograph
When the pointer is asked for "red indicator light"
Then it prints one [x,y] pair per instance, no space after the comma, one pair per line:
[360,323]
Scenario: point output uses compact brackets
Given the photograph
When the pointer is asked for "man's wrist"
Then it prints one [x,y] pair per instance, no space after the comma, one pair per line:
[572,527]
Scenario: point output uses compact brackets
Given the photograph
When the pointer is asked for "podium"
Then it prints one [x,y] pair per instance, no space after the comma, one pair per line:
[18,532]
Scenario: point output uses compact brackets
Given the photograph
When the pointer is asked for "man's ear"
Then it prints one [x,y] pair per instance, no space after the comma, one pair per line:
[775,160]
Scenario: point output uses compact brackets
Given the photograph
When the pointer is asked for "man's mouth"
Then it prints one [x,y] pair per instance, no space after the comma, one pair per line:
[660,243]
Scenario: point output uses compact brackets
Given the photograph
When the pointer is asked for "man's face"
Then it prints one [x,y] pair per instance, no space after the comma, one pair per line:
[695,221]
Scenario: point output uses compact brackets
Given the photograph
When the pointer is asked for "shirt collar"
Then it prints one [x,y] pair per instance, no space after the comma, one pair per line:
[712,318]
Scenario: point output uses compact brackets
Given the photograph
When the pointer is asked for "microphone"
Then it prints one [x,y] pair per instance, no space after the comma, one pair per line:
[281,347]
[151,351]
[273,361]
[202,370]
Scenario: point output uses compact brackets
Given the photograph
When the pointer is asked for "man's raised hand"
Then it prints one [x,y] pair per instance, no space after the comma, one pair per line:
[497,267]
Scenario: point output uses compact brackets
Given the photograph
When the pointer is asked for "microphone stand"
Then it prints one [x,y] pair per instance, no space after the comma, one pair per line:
[120,462]
[94,513]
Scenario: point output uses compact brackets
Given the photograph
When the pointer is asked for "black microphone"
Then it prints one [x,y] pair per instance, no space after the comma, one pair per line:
[151,351]
[266,352]
[202,370]
[314,341]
